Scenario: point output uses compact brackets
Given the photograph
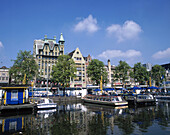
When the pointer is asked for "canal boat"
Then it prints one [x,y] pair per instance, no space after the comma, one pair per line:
[145,99]
[140,99]
[46,103]
[105,100]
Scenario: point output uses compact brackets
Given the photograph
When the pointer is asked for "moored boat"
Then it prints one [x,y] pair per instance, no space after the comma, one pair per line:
[46,103]
[105,100]
[145,99]
[140,99]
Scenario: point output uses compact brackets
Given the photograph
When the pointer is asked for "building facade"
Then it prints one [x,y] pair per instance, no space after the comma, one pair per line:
[46,52]
[88,59]
[148,66]
[167,74]
[80,80]
[4,75]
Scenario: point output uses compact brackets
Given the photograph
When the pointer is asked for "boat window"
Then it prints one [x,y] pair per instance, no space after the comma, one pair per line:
[50,101]
[113,99]
[117,99]
[14,95]
[41,101]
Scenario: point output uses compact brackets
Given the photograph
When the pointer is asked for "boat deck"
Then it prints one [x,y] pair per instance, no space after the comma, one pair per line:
[17,107]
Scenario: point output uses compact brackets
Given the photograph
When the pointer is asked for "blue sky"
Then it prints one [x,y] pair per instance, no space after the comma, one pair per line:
[130,30]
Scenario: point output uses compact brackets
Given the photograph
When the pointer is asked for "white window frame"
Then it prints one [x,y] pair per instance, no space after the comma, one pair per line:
[14,95]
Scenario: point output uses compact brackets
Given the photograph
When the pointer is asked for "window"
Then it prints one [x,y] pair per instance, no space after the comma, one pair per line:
[77,52]
[14,95]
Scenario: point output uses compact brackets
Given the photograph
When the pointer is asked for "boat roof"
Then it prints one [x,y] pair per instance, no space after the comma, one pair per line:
[9,87]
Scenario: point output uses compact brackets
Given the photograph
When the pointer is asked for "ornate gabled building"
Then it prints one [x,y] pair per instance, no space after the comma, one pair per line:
[80,80]
[46,52]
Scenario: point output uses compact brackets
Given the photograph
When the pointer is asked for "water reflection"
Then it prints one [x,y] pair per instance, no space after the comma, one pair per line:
[91,119]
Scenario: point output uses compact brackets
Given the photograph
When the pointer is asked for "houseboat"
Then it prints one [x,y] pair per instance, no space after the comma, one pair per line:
[105,100]
[15,98]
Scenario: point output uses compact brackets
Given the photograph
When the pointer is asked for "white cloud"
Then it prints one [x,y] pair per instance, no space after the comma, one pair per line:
[88,24]
[1,45]
[108,54]
[130,56]
[129,30]
[162,54]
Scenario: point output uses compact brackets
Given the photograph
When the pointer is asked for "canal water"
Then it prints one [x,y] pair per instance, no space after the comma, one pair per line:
[89,119]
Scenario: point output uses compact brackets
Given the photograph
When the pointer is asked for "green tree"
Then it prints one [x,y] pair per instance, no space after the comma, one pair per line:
[140,74]
[64,70]
[24,64]
[157,72]
[121,71]
[95,70]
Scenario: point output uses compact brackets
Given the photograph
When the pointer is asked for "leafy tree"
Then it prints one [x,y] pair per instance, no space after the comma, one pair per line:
[24,64]
[121,71]
[157,73]
[64,70]
[140,74]
[95,70]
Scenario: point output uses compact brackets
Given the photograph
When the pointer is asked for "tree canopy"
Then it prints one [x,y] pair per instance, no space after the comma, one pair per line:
[158,73]
[121,71]
[140,74]
[64,70]
[95,70]
[24,64]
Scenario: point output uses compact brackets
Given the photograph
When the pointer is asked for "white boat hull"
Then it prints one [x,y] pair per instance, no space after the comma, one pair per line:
[121,103]
[46,106]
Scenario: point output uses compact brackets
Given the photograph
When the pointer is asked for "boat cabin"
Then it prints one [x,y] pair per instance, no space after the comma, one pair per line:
[14,95]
